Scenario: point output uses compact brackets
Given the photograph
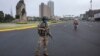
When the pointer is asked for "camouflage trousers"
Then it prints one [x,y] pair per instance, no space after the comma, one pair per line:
[42,43]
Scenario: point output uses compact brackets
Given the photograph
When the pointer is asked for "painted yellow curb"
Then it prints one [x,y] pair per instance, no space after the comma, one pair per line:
[24,27]
[20,28]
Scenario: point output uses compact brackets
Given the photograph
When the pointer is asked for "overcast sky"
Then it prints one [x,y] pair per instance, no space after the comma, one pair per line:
[62,7]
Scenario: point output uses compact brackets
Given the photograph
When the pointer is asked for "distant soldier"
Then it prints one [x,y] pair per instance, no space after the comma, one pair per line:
[43,32]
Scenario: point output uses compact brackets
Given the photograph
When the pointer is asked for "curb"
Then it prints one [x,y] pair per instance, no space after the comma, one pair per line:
[22,28]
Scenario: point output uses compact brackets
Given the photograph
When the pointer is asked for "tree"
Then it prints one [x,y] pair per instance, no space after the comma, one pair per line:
[8,18]
[1,16]
[17,16]
[37,19]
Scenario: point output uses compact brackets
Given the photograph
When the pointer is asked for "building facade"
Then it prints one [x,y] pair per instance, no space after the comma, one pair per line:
[29,18]
[44,10]
[51,6]
[90,15]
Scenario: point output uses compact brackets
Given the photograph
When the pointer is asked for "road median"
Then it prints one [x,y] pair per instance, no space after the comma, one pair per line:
[22,26]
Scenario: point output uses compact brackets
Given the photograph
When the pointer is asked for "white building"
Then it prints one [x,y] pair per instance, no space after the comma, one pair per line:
[57,17]
[29,18]
[97,16]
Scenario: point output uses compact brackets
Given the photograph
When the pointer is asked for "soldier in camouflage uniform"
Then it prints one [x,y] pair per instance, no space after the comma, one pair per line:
[43,40]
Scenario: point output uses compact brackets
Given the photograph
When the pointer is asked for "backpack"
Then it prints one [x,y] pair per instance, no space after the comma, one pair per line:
[42,32]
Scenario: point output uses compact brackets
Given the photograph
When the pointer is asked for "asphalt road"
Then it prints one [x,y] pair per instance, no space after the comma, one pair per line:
[66,42]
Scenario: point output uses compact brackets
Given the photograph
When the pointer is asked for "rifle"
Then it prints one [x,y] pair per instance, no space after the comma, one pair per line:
[49,35]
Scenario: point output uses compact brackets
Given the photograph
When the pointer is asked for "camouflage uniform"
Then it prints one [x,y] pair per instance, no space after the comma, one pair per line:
[43,40]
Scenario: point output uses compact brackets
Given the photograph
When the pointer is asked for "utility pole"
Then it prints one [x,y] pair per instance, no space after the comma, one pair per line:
[90,4]
[11,12]
[91,11]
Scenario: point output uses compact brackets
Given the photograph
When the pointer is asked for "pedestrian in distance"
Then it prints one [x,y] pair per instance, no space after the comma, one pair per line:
[75,24]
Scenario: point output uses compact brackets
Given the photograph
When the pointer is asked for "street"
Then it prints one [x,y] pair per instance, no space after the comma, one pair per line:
[66,42]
